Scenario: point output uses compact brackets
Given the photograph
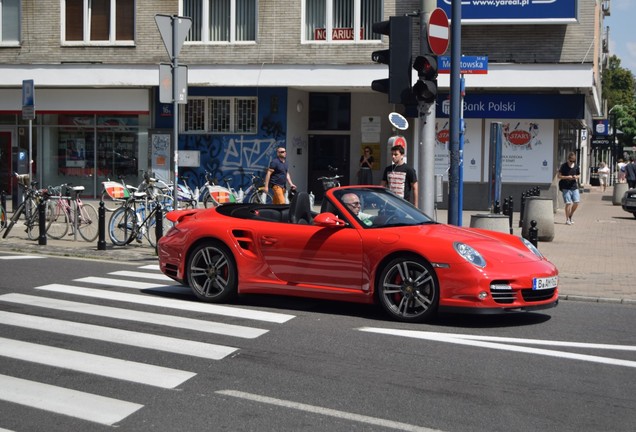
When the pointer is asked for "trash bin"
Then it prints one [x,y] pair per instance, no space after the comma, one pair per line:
[619,191]
[491,221]
[594,180]
[540,209]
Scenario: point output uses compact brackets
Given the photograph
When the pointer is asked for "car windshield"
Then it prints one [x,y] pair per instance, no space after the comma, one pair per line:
[380,208]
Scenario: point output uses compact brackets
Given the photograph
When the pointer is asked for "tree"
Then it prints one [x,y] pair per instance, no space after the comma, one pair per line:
[619,89]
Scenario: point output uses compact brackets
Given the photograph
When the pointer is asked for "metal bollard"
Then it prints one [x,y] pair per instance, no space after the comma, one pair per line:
[42,222]
[497,209]
[511,211]
[523,204]
[101,240]
[159,223]
[533,233]
[504,208]
[3,201]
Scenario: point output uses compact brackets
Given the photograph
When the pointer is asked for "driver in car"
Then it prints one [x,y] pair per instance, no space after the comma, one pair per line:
[352,202]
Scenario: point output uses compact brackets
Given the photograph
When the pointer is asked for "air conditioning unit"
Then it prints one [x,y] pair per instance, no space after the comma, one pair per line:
[605,7]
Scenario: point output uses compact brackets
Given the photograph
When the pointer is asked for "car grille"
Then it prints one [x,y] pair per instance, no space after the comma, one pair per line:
[171,270]
[528,295]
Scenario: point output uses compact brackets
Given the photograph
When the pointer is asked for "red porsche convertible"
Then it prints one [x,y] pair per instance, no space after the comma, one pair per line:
[365,245]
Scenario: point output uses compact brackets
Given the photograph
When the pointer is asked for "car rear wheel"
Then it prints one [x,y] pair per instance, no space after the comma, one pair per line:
[408,289]
[212,273]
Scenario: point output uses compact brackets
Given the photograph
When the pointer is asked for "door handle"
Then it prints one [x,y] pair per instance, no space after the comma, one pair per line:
[268,241]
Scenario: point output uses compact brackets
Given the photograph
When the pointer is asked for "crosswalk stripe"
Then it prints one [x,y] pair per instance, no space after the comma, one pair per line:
[143,275]
[120,283]
[118,336]
[171,303]
[85,406]
[18,257]
[142,373]
[136,316]
[150,267]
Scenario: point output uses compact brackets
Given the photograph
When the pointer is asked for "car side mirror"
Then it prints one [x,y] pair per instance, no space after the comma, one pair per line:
[328,219]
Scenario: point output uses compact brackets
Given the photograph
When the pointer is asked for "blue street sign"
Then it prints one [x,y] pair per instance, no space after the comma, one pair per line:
[467,64]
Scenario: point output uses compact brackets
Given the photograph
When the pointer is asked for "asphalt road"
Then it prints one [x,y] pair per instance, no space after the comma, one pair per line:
[284,364]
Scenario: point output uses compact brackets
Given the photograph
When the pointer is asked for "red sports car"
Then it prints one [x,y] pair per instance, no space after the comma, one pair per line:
[365,245]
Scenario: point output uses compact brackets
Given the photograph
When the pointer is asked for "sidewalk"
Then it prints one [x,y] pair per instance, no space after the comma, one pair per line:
[594,256]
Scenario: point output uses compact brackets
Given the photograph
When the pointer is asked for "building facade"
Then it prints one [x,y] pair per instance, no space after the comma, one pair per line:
[267,73]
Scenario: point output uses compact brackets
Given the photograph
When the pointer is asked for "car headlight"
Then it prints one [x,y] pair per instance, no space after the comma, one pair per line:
[469,254]
[532,247]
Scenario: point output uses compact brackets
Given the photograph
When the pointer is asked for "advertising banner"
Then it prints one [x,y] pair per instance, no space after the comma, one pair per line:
[472,149]
[515,11]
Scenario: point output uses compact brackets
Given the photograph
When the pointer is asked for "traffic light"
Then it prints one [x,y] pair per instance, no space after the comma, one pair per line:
[425,89]
[398,57]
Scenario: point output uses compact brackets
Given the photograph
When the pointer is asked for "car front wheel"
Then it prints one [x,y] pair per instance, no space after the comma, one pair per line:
[408,289]
[212,273]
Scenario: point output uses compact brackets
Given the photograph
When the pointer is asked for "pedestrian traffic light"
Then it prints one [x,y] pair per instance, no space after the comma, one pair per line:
[425,89]
[397,57]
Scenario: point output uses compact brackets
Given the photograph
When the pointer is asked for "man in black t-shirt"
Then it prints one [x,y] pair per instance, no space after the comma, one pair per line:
[399,177]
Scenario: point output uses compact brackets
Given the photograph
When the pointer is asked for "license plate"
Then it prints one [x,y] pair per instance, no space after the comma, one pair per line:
[545,283]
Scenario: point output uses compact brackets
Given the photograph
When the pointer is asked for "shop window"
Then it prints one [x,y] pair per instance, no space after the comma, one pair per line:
[98,21]
[9,22]
[341,20]
[220,115]
[329,111]
[221,20]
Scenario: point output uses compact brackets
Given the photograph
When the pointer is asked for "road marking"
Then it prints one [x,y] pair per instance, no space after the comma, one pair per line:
[486,342]
[151,267]
[326,411]
[118,336]
[142,373]
[17,257]
[185,305]
[119,283]
[85,406]
[136,316]
[143,275]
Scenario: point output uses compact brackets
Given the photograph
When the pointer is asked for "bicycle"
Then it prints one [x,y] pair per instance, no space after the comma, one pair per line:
[216,195]
[3,213]
[332,181]
[28,207]
[115,193]
[137,218]
[82,217]
[185,195]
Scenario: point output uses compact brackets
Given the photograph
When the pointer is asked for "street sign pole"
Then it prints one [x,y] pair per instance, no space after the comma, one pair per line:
[28,113]
[174,30]
[454,186]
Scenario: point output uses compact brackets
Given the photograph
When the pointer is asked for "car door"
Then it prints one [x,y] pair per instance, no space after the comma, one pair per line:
[309,255]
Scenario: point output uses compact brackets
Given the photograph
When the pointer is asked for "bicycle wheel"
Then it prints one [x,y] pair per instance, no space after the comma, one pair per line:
[3,219]
[111,204]
[33,225]
[151,228]
[121,228]
[260,197]
[88,222]
[57,226]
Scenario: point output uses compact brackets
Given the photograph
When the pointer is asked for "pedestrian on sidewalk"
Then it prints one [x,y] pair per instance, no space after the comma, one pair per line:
[630,173]
[569,174]
[603,175]
[277,176]
[620,168]
[400,178]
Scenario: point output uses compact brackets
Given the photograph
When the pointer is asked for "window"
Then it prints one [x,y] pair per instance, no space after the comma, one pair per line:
[220,115]
[341,20]
[329,111]
[9,21]
[222,20]
[107,22]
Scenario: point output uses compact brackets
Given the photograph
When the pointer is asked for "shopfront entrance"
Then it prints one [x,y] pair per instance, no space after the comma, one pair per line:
[5,162]
[326,151]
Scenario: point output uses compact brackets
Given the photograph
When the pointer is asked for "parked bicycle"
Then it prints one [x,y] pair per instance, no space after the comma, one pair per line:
[114,194]
[215,194]
[331,181]
[3,213]
[28,207]
[137,218]
[70,211]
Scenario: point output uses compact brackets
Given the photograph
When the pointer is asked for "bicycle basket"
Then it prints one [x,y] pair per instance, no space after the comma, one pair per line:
[328,183]
[116,190]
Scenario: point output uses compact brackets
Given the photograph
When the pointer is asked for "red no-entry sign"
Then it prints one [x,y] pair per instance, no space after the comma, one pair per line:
[438,31]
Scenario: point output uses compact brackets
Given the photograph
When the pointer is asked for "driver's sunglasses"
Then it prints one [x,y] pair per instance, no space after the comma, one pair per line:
[355,204]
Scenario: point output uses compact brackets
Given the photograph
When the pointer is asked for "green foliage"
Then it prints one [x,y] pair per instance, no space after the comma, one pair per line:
[619,88]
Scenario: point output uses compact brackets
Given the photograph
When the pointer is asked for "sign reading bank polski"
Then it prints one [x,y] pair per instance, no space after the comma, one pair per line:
[515,11]
[519,106]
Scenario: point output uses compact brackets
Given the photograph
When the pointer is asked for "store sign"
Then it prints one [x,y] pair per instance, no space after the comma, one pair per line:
[336,34]
[601,127]
[534,106]
[515,11]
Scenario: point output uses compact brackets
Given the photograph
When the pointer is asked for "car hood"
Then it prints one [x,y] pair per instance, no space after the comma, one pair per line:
[438,239]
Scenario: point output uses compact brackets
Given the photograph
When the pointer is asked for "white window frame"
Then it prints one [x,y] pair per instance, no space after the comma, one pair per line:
[329,26]
[205,24]
[207,126]
[19,35]
[86,21]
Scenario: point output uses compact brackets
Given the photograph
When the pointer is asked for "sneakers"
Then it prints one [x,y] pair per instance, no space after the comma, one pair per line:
[569,221]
